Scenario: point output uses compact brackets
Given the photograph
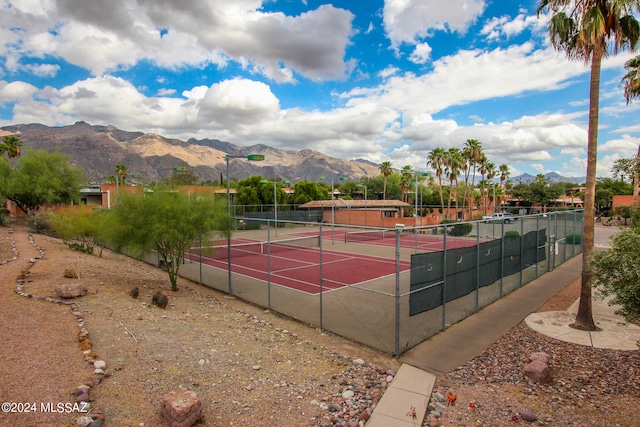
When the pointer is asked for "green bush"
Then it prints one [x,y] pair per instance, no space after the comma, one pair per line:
[511,233]
[461,229]
[4,216]
[574,239]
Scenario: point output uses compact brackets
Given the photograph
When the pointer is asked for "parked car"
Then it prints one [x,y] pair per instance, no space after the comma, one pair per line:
[500,216]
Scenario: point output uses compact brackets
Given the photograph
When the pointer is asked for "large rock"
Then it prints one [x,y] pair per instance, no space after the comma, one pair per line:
[181,407]
[71,290]
[538,371]
[539,355]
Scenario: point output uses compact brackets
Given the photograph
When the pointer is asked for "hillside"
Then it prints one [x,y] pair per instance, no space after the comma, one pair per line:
[98,149]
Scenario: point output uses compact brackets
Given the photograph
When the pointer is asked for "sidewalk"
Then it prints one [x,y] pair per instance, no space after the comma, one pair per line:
[414,381]
[483,328]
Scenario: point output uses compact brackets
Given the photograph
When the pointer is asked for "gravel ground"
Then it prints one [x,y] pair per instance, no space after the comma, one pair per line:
[255,368]
[590,387]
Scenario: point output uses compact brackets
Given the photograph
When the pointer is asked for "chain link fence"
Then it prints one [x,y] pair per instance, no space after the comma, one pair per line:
[390,289]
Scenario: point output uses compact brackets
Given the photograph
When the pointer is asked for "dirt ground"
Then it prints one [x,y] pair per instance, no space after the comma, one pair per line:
[251,367]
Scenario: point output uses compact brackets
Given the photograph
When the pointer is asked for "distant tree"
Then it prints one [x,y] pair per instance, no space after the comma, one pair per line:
[617,187]
[386,171]
[406,181]
[436,161]
[166,222]
[603,199]
[473,154]
[253,193]
[307,191]
[631,80]
[40,178]
[11,145]
[629,168]
[121,172]
[181,177]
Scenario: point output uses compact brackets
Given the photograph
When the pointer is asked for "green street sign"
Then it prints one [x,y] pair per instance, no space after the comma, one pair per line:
[180,168]
[136,175]
[322,177]
[255,157]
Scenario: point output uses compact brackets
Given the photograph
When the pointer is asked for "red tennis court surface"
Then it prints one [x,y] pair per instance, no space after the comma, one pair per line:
[421,242]
[299,268]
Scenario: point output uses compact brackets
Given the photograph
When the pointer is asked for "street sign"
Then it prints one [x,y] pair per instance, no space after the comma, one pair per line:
[255,157]
[180,168]
[136,175]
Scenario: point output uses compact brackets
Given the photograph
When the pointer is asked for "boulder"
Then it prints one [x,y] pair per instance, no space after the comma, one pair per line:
[71,290]
[181,407]
[538,371]
[539,355]
[70,273]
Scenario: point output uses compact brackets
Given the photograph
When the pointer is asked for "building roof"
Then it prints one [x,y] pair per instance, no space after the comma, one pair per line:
[355,204]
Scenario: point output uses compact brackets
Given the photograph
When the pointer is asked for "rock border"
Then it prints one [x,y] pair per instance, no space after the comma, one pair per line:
[81,393]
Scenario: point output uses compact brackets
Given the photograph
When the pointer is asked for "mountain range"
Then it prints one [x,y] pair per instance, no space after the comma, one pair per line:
[97,149]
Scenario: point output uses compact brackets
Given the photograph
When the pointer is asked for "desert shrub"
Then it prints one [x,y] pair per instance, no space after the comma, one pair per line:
[574,239]
[511,233]
[38,222]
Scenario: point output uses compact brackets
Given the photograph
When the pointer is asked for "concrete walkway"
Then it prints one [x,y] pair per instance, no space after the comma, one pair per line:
[443,352]
[483,328]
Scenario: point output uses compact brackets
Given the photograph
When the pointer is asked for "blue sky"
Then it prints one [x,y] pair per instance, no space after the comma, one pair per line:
[381,80]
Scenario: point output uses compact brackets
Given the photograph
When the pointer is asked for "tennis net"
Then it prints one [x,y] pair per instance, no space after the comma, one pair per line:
[221,252]
[366,236]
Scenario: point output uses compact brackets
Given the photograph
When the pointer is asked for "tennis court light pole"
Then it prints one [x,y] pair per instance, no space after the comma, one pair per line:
[250,157]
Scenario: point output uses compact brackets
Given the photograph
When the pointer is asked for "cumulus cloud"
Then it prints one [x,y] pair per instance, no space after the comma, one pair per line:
[105,36]
[421,54]
[407,21]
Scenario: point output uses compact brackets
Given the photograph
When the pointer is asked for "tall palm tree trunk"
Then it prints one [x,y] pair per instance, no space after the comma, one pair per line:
[636,179]
[584,318]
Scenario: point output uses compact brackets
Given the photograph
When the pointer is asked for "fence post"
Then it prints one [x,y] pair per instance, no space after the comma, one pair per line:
[444,278]
[320,247]
[477,266]
[397,343]
[269,264]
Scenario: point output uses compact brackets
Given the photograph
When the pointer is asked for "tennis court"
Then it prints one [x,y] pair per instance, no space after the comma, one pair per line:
[422,242]
[296,263]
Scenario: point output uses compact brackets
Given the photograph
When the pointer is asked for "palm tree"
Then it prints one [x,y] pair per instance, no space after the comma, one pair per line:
[453,163]
[587,30]
[436,161]
[121,172]
[386,171]
[491,173]
[405,182]
[631,80]
[473,153]
[11,145]
[504,174]
[482,168]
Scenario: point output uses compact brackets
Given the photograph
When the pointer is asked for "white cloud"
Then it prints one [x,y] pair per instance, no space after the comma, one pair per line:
[407,21]
[538,167]
[104,36]
[627,146]
[505,27]
[421,54]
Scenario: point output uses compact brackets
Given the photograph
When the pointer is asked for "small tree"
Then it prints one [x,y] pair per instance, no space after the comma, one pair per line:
[165,222]
[616,270]
[40,178]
